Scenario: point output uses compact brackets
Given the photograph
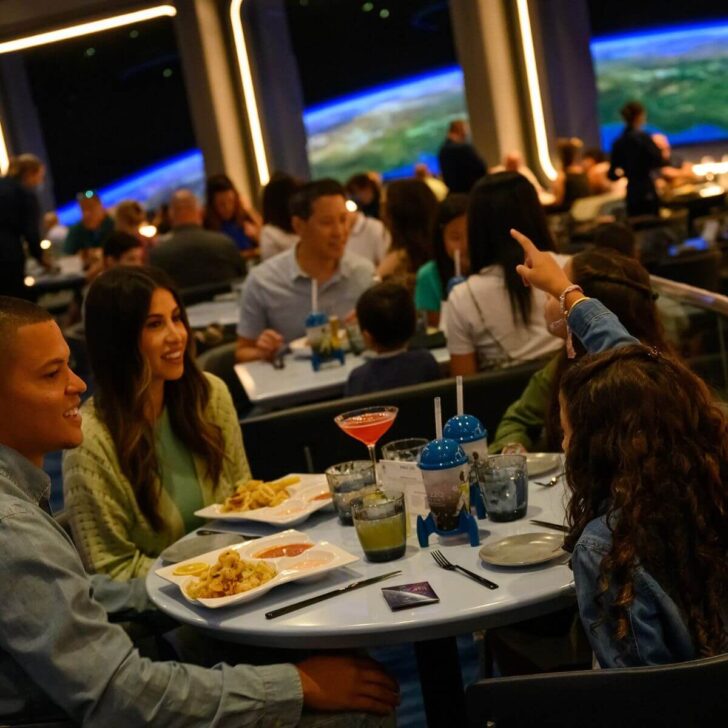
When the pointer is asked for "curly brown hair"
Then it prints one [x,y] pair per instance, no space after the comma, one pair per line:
[624,287]
[649,450]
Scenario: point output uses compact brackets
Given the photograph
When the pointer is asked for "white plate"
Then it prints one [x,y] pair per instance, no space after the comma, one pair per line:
[190,547]
[326,557]
[301,348]
[524,549]
[291,512]
[542,462]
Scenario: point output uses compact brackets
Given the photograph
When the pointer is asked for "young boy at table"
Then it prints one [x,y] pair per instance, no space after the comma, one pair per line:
[386,317]
[59,655]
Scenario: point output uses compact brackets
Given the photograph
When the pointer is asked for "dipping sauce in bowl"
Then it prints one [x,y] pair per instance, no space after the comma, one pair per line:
[289,549]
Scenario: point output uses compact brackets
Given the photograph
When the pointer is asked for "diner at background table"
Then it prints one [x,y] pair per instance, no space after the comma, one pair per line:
[60,657]
[276,296]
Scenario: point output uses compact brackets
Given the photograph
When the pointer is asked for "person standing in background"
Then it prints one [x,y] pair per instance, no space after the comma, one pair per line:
[460,164]
[634,156]
[19,222]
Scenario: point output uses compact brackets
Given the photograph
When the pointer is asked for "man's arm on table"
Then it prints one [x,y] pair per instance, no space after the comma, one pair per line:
[57,632]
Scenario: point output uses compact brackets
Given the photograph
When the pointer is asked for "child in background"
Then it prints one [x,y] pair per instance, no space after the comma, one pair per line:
[387,320]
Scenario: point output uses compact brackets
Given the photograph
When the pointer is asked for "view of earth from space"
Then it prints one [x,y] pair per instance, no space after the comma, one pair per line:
[387,129]
[679,74]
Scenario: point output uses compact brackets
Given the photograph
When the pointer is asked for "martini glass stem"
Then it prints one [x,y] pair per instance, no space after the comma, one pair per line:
[373,456]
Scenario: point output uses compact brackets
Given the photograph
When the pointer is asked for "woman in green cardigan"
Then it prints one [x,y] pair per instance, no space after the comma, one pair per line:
[531,423]
[161,439]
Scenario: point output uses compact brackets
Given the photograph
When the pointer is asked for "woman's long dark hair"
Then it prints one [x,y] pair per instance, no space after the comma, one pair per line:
[117,306]
[649,450]
[451,208]
[498,203]
[624,287]
[221,183]
[277,198]
[411,209]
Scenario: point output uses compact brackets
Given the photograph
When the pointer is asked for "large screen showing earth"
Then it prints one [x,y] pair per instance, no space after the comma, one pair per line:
[678,73]
[387,129]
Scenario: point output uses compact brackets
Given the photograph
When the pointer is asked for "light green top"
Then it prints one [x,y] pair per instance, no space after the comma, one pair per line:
[111,533]
[428,289]
[179,477]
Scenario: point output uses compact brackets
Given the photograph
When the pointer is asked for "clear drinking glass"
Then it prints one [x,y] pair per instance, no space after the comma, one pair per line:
[381,525]
[407,450]
[505,487]
[347,482]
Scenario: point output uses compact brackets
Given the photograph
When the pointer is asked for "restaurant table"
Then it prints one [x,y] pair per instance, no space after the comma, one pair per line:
[68,276]
[362,618]
[297,382]
[224,312]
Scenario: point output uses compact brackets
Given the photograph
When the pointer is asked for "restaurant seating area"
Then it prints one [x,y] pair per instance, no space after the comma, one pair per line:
[363,364]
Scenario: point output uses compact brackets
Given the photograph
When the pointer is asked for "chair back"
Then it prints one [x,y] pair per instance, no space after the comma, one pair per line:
[306,439]
[686,694]
[220,361]
[701,270]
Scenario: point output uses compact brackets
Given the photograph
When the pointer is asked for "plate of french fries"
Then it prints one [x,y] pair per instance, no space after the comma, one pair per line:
[284,502]
[244,571]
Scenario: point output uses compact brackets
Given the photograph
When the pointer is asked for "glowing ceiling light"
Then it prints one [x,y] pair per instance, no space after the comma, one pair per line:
[148,231]
[534,90]
[76,31]
[251,105]
[29,281]
[94,26]
[351,206]
[45,244]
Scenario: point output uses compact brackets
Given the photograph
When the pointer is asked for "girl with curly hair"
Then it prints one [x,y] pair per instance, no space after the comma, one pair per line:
[646,463]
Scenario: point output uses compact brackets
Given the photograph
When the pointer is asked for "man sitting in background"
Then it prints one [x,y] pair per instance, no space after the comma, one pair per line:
[87,236]
[192,255]
[122,249]
[368,237]
[387,320]
[277,294]
[58,652]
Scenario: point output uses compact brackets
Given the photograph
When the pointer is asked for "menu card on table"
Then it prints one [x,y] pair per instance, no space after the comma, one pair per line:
[406,477]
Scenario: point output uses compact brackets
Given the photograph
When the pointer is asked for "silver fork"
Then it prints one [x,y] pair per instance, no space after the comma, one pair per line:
[552,481]
[440,560]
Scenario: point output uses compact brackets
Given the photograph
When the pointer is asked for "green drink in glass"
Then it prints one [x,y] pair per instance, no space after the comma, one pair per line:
[381,525]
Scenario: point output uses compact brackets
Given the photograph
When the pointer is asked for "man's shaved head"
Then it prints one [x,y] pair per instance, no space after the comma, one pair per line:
[14,314]
[184,208]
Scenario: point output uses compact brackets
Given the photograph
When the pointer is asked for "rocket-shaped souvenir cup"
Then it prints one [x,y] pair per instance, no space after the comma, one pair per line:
[444,468]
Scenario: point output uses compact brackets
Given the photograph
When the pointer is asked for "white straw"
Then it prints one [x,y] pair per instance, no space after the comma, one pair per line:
[314,295]
[457,263]
[438,418]
[459,393]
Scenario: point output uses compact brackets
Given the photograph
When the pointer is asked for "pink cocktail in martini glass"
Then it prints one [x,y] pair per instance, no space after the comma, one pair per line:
[367,425]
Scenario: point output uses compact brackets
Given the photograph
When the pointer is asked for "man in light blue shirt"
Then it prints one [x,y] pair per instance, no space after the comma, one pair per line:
[59,655]
[276,297]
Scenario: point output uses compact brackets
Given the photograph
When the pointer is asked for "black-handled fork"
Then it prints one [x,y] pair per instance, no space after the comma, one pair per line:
[440,560]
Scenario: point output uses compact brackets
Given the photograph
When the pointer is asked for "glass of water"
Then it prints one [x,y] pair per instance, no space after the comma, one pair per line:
[407,450]
[504,486]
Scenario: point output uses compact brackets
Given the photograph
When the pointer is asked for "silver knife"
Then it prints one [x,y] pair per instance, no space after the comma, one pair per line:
[327,595]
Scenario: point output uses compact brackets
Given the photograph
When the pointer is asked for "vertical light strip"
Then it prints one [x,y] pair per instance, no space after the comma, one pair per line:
[76,31]
[534,90]
[251,105]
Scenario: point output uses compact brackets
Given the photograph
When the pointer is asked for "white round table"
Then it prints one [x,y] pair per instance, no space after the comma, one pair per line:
[362,618]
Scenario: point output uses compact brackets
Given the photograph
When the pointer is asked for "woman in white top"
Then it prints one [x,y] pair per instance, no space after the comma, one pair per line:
[277,234]
[493,320]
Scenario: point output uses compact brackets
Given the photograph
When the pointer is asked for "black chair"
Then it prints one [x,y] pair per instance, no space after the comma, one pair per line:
[220,361]
[204,292]
[306,439]
[701,270]
[686,694]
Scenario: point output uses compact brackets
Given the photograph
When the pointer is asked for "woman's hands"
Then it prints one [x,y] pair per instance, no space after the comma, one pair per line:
[539,269]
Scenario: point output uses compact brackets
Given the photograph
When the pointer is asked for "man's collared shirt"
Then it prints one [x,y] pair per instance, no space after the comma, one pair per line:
[58,651]
[277,294]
